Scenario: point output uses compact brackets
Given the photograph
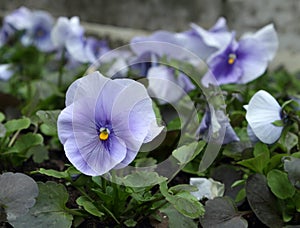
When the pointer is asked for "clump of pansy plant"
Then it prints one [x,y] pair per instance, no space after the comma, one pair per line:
[116,136]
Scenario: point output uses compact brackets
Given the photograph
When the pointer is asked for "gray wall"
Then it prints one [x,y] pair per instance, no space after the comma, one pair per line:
[175,15]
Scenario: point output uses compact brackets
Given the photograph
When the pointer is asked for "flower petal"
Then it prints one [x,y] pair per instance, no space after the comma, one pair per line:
[251,59]
[87,86]
[5,72]
[65,28]
[218,36]
[262,111]
[174,45]
[267,37]
[76,158]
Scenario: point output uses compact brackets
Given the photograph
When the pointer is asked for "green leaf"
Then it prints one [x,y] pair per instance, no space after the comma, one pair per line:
[222,213]
[50,209]
[279,184]
[278,123]
[49,118]
[17,194]
[292,167]
[184,202]
[176,219]
[186,153]
[57,174]
[130,223]
[256,164]
[296,200]
[262,201]
[17,124]
[2,117]
[2,130]
[188,205]
[26,141]
[53,173]
[145,162]
[238,183]
[261,148]
[240,196]
[89,206]
[142,179]
[174,125]
[39,153]
[288,141]
[182,188]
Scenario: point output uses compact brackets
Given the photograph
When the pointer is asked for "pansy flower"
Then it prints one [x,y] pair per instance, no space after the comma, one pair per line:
[105,123]
[197,40]
[18,20]
[212,122]
[38,31]
[243,61]
[64,29]
[262,111]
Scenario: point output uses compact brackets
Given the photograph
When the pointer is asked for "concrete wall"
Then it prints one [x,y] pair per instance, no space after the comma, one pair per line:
[175,15]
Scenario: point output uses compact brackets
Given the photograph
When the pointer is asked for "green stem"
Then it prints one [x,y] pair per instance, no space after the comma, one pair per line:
[13,139]
[61,68]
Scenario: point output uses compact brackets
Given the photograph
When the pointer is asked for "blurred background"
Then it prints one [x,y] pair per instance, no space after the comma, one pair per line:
[122,19]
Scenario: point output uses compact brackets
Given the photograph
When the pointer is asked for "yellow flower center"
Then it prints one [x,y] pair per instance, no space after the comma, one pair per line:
[104,133]
[231,58]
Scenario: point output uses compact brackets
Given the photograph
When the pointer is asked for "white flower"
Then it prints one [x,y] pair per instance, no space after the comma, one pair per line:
[207,188]
[262,111]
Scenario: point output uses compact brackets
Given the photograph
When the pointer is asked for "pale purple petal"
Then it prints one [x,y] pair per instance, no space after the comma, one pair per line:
[251,59]
[39,30]
[268,39]
[87,86]
[206,127]
[76,47]
[75,157]
[64,124]
[262,111]
[130,156]
[19,19]
[219,26]
[164,84]
[251,135]
[64,29]
[174,45]
[95,48]
[104,158]
[218,36]
[125,108]
[5,72]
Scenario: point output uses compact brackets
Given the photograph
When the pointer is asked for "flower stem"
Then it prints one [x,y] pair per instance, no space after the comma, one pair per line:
[61,68]
[13,139]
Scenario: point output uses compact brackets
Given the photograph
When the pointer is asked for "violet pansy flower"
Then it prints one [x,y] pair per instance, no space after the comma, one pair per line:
[262,111]
[243,61]
[105,123]
[19,19]
[38,31]
[64,29]
[197,40]
[212,122]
